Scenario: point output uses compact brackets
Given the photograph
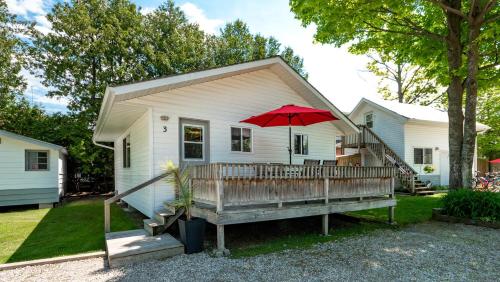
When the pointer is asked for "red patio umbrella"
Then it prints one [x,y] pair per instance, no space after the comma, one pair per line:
[497,161]
[290,115]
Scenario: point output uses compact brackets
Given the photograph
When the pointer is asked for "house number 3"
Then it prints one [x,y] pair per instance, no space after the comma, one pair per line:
[164,129]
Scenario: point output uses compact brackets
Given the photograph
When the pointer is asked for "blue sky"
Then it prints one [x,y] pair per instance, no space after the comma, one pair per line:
[340,76]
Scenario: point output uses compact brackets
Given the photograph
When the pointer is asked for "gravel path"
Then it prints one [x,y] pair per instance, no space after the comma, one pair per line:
[423,252]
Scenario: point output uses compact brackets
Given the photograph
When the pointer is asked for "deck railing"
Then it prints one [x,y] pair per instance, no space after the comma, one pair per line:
[232,184]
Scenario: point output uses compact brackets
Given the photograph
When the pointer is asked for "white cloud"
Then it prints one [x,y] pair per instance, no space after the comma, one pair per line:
[43,25]
[197,15]
[23,7]
[147,10]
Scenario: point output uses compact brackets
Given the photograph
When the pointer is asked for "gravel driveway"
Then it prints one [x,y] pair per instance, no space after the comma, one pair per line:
[423,252]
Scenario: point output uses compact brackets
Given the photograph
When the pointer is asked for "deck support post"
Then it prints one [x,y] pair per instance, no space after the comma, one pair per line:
[221,249]
[390,212]
[325,224]
[326,183]
[390,216]
[107,224]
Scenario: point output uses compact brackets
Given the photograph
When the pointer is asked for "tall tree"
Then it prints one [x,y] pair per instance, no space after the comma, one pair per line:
[171,44]
[12,57]
[402,81]
[236,44]
[92,44]
[455,40]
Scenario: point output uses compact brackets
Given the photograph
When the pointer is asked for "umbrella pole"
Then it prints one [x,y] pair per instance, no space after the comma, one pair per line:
[290,137]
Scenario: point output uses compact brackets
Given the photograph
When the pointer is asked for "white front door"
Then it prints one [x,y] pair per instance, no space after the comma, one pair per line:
[444,167]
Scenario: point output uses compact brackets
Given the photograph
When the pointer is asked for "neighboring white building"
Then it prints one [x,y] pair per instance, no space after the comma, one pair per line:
[31,171]
[418,134]
[194,118]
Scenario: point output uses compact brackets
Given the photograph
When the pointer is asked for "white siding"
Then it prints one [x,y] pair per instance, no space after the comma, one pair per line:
[12,167]
[387,126]
[139,170]
[62,177]
[426,136]
[224,103]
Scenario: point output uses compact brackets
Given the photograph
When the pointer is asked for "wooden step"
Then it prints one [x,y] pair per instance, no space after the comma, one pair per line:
[162,215]
[425,192]
[169,207]
[133,246]
[153,227]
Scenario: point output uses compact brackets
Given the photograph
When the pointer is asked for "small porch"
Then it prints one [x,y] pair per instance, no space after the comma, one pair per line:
[234,193]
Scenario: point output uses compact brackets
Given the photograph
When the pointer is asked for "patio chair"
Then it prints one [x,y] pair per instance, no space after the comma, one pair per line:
[311,162]
[330,162]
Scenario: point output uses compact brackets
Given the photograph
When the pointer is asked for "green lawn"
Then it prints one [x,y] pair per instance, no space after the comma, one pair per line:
[75,227]
[410,209]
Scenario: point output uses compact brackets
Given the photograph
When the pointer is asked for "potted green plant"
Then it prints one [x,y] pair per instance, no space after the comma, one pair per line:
[428,169]
[191,229]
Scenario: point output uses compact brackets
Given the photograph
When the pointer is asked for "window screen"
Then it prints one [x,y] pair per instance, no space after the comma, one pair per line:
[36,160]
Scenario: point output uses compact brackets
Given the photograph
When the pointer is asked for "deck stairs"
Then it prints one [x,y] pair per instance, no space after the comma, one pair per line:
[381,151]
[151,242]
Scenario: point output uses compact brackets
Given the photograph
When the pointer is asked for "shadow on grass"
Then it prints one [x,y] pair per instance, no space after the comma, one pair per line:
[257,238]
[266,237]
[75,227]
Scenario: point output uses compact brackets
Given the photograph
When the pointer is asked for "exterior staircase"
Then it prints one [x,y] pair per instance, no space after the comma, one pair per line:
[151,242]
[380,150]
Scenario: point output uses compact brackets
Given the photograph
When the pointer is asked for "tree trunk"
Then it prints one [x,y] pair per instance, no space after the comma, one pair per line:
[469,142]
[455,93]
[399,80]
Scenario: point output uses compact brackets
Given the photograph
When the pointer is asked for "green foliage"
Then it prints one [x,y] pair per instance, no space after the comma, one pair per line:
[236,44]
[467,203]
[411,31]
[428,169]
[180,180]
[489,114]
[13,54]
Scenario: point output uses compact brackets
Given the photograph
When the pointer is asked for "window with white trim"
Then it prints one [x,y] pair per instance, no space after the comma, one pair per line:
[301,144]
[422,155]
[241,139]
[126,151]
[193,139]
[369,120]
[36,160]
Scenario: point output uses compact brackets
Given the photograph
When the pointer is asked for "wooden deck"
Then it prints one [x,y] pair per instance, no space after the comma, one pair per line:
[229,193]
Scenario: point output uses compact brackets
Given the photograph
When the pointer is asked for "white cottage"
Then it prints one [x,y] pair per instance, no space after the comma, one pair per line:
[31,171]
[194,118]
[417,134]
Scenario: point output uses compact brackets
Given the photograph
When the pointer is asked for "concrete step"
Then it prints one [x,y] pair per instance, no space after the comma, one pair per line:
[153,227]
[162,215]
[135,245]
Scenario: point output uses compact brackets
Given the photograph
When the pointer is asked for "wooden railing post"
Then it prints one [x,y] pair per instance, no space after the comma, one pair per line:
[219,188]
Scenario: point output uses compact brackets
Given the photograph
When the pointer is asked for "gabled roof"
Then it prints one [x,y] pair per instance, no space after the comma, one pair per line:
[116,94]
[32,141]
[410,111]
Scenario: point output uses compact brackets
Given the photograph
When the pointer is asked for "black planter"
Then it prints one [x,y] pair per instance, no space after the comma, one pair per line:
[192,234]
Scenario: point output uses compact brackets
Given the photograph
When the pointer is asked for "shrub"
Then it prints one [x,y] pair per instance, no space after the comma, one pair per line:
[467,203]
